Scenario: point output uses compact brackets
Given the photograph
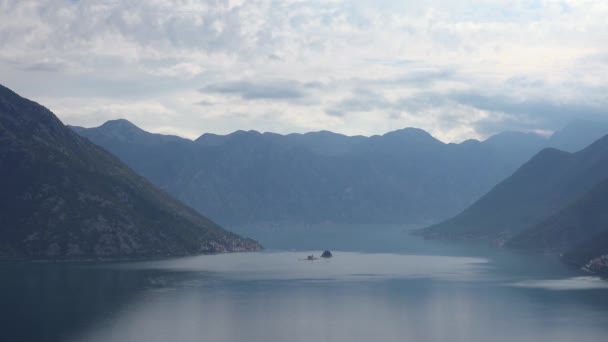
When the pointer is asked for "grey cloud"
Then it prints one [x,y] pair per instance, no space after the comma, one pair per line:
[367,100]
[361,100]
[125,51]
[524,81]
[426,77]
[390,62]
[595,58]
[422,100]
[525,114]
[262,90]
[204,103]
[539,109]
[508,113]
[364,99]
[413,77]
[44,66]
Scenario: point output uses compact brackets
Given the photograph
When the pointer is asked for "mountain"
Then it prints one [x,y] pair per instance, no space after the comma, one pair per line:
[65,198]
[246,177]
[571,226]
[156,155]
[579,231]
[591,255]
[578,134]
[547,183]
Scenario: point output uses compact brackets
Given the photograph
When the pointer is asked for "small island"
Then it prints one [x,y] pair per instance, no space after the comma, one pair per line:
[326,254]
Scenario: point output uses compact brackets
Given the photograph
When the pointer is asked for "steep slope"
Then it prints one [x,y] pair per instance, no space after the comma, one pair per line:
[579,231]
[571,226]
[65,198]
[405,176]
[157,156]
[547,183]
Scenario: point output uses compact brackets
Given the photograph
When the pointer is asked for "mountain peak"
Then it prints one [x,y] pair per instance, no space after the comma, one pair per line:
[212,139]
[410,131]
[64,197]
[121,129]
[411,134]
[120,124]
[28,118]
[241,133]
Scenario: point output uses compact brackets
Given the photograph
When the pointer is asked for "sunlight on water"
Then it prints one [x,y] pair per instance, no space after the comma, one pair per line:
[343,266]
[277,296]
[575,283]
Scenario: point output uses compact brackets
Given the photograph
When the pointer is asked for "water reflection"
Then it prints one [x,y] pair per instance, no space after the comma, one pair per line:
[47,302]
[272,296]
[419,309]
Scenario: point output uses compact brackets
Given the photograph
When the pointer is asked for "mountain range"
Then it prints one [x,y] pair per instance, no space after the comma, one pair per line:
[556,202]
[64,197]
[404,176]
[67,197]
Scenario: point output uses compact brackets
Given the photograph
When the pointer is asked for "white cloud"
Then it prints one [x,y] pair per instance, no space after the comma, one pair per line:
[416,59]
[180,70]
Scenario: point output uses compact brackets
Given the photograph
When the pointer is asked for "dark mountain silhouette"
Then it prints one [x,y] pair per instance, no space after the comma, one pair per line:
[65,198]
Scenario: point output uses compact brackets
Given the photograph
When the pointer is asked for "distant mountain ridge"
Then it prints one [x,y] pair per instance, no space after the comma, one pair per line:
[404,176]
[578,134]
[65,198]
[540,187]
[557,202]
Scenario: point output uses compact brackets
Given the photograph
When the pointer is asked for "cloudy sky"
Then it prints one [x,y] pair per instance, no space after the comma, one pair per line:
[458,69]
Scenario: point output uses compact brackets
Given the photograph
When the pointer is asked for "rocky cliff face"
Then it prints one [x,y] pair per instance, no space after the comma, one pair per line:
[65,198]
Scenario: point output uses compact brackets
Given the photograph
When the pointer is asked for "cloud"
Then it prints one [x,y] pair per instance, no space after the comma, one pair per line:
[261,90]
[204,103]
[45,66]
[526,114]
[458,69]
[181,70]
[361,100]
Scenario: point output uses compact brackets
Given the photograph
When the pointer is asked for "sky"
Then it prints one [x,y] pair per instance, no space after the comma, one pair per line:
[458,69]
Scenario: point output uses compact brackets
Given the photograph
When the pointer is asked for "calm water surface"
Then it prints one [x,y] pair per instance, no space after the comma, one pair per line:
[421,291]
